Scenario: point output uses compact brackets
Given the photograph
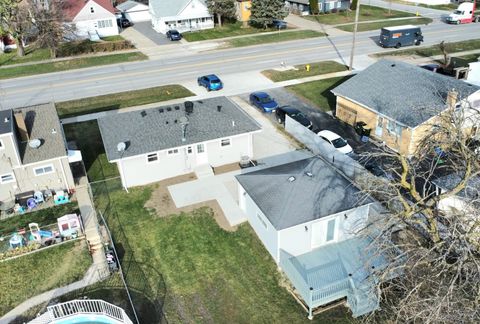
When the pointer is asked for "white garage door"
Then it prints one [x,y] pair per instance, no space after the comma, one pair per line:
[324,232]
[137,15]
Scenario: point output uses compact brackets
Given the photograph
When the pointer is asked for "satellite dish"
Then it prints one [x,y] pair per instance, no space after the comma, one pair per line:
[35,143]
[122,146]
[183,120]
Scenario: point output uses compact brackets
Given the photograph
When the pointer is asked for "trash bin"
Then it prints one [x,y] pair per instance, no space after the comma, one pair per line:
[361,130]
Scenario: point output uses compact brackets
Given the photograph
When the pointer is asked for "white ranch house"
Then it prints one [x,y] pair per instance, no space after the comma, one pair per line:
[182,15]
[169,141]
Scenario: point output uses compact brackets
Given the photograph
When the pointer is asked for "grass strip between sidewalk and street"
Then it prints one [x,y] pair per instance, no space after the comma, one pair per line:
[77,63]
[428,51]
[366,13]
[445,7]
[121,100]
[388,23]
[300,71]
[318,92]
[33,274]
[273,38]
[227,30]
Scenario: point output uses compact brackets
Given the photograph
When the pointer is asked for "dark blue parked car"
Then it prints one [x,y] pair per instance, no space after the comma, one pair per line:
[263,101]
[173,35]
[210,82]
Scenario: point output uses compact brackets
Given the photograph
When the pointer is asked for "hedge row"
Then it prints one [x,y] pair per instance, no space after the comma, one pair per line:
[87,47]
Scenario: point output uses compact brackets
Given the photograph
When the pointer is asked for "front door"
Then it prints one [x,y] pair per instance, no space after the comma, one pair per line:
[324,232]
[202,156]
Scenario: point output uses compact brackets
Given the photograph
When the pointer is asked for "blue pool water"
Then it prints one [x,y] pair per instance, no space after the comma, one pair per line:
[87,319]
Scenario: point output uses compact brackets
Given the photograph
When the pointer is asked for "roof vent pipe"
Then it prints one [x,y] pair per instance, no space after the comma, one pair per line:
[219,108]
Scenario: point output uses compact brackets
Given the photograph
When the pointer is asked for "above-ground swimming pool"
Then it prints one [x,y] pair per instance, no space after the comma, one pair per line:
[87,319]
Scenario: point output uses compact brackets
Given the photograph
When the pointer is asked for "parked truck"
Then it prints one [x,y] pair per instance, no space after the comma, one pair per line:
[465,14]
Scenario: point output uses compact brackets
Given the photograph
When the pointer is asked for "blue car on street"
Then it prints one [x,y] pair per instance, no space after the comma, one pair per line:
[263,101]
[210,82]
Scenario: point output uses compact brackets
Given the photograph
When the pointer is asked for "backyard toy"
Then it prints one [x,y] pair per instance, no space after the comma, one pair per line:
[16,241]
[38,196]
[31,203]
[41,236]
[69,225]
[60,198]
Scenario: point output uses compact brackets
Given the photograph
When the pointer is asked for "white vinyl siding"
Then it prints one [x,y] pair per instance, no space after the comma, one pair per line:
[43,170]
[6,178]
[260,218]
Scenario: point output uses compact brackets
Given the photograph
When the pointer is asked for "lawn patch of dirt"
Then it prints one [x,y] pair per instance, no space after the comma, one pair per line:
[161,201]
[226,168]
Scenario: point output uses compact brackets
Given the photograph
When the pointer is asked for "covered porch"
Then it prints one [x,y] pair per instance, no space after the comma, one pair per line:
[343,270]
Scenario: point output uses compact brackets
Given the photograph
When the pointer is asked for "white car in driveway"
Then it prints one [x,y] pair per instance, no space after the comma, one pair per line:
[336,141]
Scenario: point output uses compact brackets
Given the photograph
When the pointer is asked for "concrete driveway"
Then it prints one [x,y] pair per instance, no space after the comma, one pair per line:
[145,28]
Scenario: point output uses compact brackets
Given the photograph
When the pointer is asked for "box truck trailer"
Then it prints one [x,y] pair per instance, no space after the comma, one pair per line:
[464,14]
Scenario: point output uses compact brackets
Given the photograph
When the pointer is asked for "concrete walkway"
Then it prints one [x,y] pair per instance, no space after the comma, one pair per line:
[303,23]
[91,277]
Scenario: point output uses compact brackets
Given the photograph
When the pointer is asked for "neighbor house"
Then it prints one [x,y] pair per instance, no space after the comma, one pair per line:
[135,11]
[91,17]
[168,141]
[302,7]
[33,152]
[308,216]
[461,201]
[399,102]
[182,15]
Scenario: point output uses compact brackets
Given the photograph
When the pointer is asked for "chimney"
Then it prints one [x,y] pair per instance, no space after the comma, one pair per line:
[452,98]
[21,126]
[219,108]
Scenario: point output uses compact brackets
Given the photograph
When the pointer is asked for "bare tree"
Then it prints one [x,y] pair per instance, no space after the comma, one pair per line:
[49,25]
[435,278]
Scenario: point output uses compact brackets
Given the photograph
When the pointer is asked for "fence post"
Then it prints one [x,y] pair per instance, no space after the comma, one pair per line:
[310,315]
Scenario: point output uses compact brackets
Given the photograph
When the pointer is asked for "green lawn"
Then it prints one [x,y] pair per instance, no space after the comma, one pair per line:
[318,92]
[227,30]
[42,217]
[366,13]
[211,275]
[316,68]
[429,51]
[31,55]
[446,7]
[78,63]
[381,24]
[121,100]
[30,275]
[272,38]
[88,139]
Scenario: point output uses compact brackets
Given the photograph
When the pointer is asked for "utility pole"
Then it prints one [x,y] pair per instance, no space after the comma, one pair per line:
[352,54]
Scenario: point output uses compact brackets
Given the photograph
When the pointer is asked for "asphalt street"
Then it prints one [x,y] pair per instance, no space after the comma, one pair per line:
[183,69]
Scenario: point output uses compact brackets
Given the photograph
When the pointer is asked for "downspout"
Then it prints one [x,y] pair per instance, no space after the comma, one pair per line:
[63,173]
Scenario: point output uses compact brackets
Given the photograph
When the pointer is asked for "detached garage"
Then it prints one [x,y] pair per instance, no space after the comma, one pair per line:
[135,11]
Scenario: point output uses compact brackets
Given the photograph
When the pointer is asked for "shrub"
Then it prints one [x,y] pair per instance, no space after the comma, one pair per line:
[87,47]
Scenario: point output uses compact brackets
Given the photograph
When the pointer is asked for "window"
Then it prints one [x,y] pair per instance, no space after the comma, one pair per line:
[260,218]
[6,178]
[330,230]
[200,148]
[189,150]
[43,170]
[225,142]
[152,157]
[104,23]
[91,10]
[172,151]
[394,128]
[380,122]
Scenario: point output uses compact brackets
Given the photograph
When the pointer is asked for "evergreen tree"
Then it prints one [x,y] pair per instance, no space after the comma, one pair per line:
[263,12]
[314,7]
[353,5]
[221,9]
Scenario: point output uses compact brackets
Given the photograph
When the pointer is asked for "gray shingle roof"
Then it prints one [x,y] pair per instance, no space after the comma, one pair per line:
[158,131]
[169,8]
[403,92]
[6,122]
[42,123]
[306,198]
[450,181]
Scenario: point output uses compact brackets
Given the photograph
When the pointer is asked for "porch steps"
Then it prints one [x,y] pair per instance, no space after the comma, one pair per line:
[366,300]
[203,171]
